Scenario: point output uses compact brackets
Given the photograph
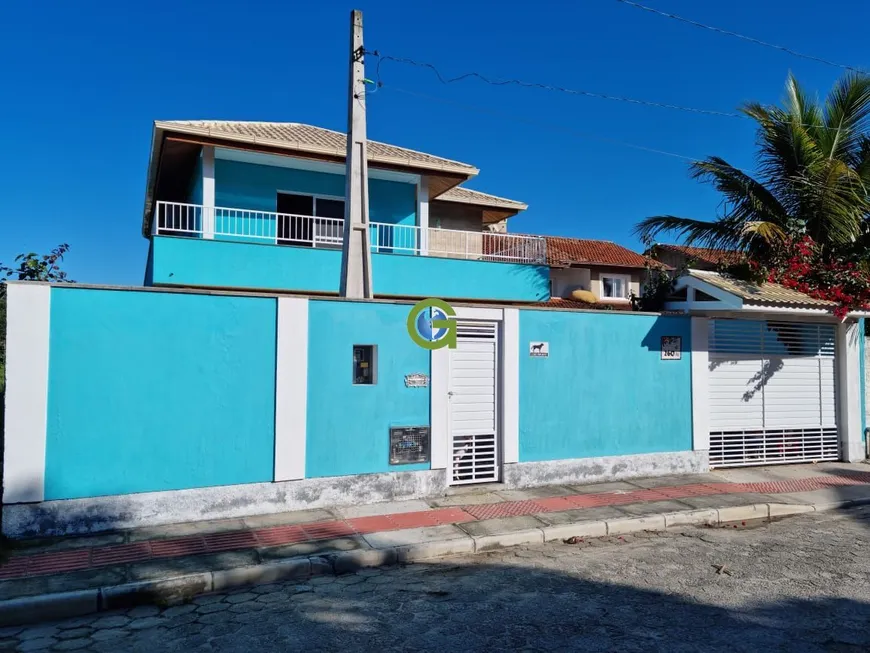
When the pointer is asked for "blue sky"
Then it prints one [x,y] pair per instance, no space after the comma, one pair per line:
[83,81]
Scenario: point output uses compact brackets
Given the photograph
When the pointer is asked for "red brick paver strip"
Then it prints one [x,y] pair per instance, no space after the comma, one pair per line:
[23,566]
[117,555]
[180,546]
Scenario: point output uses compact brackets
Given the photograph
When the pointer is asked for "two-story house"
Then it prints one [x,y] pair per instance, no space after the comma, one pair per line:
[260,206]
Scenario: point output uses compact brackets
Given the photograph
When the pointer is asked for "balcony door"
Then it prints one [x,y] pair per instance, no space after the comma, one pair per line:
[310,220]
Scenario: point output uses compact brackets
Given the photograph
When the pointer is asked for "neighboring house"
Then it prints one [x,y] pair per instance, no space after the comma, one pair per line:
[218,191]
[698,258]
[610,271]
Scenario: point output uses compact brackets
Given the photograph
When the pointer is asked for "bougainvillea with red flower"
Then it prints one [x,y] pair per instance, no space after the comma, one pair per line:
[804,266]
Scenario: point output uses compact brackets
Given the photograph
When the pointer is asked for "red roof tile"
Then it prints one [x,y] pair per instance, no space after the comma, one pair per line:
[563,252]
[601,305]
[707,255]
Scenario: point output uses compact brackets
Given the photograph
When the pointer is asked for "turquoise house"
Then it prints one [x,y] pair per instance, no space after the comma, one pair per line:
[236,382]
[260,206]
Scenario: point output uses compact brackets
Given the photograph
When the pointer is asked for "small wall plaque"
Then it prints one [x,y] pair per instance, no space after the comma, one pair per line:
[416,381]
[672,348]
[539,349]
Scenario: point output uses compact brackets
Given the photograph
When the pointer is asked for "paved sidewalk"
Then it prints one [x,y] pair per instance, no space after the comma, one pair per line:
[172,563]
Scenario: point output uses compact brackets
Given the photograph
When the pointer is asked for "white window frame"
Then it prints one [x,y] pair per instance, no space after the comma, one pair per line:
[314,197]
[626,280]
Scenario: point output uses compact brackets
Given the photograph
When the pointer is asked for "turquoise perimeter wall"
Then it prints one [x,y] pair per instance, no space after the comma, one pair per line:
[603,390]
[158,391]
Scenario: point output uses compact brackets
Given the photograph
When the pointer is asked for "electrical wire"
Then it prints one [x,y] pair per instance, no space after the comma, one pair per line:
[565,129]
[546,87]
[537,123]
[378,82]
[742,37]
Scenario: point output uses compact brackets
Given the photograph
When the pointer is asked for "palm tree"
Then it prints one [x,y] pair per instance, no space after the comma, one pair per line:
[812,177]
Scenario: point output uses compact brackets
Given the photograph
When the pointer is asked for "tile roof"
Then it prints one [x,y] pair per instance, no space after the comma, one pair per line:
[308,138]
[600,305]
[468,196]
[763,294]
[707,255]
[562,252]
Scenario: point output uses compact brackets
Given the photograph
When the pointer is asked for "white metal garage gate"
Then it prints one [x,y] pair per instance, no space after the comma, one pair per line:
[473,401]
[772,396]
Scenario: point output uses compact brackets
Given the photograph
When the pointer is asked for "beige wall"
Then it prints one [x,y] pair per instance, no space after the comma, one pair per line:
[564,280]
[466,230]
[448,215]
[634,278]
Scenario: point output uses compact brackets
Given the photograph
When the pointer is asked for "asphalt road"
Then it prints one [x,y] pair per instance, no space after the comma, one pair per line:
[802,584]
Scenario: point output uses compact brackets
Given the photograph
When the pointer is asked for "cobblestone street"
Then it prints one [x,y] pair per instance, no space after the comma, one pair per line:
[802,584]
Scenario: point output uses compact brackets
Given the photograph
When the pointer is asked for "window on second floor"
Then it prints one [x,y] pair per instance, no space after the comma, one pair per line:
[614,286]
[310,220]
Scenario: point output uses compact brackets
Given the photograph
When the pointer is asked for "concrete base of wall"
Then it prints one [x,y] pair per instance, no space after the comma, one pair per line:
[97,514]
[607,468]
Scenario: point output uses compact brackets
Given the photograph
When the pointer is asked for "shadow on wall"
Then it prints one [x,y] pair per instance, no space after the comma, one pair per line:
[662,333]
[58,518]
[533,276]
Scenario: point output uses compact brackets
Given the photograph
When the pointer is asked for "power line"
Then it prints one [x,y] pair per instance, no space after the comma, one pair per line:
[546,125]
[563,129]
[561,89]
[546,87]
[743,37]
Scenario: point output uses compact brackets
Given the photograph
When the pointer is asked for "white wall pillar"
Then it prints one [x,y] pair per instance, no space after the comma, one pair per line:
[28,314]
[423,214]
[291,388]
[849,390]
[439,381]
[208,221]
[700,384]
[510,394]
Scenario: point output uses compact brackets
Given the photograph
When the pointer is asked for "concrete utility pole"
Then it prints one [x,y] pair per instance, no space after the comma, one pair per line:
[356,250]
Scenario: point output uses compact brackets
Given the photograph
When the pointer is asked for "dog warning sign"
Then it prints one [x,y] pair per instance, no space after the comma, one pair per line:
[539,349]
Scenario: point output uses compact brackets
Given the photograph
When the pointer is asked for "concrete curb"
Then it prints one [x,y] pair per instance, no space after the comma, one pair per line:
[179,589]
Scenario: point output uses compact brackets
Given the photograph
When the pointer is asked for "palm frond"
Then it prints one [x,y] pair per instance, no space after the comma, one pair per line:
[748,199]
[812,177]
[846,112]
[768,232]
[836,202]
[716,234]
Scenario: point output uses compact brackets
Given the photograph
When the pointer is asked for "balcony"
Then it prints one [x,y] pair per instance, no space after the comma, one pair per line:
[201,247]
[241,225]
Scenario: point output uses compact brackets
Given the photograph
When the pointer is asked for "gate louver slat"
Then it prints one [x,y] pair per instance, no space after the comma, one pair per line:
[771,393]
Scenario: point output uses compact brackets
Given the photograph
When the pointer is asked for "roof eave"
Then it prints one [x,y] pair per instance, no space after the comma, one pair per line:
[513,207]
[150,180]
[297,146]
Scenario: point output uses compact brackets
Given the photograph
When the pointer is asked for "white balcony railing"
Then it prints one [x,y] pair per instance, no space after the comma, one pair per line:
[178,219]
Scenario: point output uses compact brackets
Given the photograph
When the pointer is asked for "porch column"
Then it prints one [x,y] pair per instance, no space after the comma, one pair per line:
[850,405]
[208,192]
[423,214]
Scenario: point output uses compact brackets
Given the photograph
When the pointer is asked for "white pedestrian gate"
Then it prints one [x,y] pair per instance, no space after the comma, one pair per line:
[473,404]
[772,396]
